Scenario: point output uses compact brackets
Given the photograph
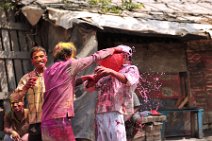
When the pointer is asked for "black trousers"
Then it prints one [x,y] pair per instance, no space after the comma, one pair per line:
[35,132]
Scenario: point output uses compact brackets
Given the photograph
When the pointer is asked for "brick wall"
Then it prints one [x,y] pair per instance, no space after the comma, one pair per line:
[199,59]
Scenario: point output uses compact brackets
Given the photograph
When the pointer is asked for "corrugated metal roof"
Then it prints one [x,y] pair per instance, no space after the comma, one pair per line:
[175,17]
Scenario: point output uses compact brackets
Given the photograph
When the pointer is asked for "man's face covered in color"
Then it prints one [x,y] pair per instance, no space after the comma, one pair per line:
[39,59]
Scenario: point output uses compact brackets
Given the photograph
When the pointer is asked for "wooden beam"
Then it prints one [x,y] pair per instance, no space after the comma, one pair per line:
[4,95]
[9,62]
[17,62]
[3,73]
[14,26]
[24,47]
[14,55]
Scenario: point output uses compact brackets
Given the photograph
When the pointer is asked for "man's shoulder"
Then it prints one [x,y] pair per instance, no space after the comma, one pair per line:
[57,68]
[130,66]
[9,114]
[26,75]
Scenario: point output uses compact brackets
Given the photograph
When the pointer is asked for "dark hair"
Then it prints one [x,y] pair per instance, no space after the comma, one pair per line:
[35,49]
[65,52]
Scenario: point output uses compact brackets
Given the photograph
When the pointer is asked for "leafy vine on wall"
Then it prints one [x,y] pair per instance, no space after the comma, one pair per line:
[106,6]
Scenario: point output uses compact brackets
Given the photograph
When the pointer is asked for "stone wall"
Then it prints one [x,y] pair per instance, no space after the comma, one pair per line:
[152,129]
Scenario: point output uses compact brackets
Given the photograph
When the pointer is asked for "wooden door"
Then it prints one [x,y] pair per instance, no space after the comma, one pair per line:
[15,43]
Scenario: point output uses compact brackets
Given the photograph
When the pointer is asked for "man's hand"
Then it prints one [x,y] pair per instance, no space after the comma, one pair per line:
[104,53]
[15,136]
[30,83]
[101,71]
[118,50]
[88,78]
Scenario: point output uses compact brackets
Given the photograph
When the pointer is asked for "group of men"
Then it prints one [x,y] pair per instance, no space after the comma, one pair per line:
[50,94]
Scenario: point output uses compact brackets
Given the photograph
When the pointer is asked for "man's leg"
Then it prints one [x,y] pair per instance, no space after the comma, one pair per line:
[57,130]
[35,132]
[7,138]
[25,137]
[81,139]
[110,127]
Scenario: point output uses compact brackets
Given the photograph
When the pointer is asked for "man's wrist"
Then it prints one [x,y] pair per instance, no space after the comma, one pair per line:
[21,93]
[12,132]
[25,88]
[112,72]
[83,78]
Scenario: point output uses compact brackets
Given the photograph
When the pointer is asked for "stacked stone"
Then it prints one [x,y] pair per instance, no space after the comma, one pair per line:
[140,136]
[152,129]
[153,132]
[150,119]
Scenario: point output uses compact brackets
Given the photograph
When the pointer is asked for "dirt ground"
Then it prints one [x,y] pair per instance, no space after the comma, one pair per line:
[207,137]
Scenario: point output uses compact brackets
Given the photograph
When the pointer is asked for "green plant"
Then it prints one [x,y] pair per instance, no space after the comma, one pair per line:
[7,5]
[106,6]
[129,5]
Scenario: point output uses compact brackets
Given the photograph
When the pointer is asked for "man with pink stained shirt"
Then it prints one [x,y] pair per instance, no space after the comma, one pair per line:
[115,80]
[59,82]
